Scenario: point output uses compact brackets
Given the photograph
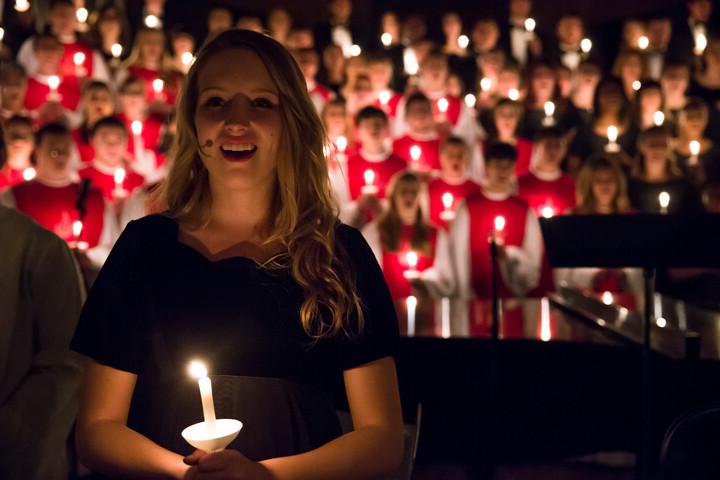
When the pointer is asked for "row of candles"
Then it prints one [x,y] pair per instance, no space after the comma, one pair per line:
[158,85]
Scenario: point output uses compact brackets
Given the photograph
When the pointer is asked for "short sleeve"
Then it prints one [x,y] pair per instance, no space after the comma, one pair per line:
[110,327]
[380,334]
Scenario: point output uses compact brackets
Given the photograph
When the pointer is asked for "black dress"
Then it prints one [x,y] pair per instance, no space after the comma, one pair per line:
[158,304]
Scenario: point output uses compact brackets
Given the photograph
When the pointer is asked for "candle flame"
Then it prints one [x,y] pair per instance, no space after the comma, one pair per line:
[119,176]
[612,133]
[137,127]
[694,148]
[415,153]
[443,105]
[53,82]
[412,259]
[514,94]
[658,118]
[470,100]
[463,41]
[78,58]
[411,302]
[81,14]
[355,50]
[341,143]
[549,109]
[636,85]
[530,24]
[369,177]
[29,173]
[77,228]
[116,50]
[158,85]
[187,58]
[384,97]
[197,369]
[586,45]
[410,62]
[152,21]
[700,43]
[664,199]
[447,200]
[547,211]
[607,298]
[499,223]
[485,84]
[643,42]
[2,34]
[386,39]
[22,5]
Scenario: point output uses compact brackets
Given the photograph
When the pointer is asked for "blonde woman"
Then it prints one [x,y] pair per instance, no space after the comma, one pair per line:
[249,269]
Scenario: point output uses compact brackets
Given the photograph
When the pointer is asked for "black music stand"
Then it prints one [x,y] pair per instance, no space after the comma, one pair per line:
[645,241]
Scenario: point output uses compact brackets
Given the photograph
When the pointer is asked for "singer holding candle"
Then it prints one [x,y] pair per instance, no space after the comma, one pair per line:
[249,270]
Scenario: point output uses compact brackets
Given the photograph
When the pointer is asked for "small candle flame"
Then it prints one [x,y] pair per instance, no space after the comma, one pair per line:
[549,109]
[412,259]
[643,42]
[355,50]
[694,148]
[547,212]
[514,94]
[2,34]
[586,45]
[447,200]
[341,143]
[386,39]
[137,127]
[384,97]
[369,177]
[443,105]
[530,24]
[612,133]
[78,58]
[81,14]
[499,223]
[187,58]
[152,21]
[463,41]
[116,50]
[485,84]
[119,176]
[636,85]
[77,228]
[197,369]
[22,5]
[158,85]
[664,199]
[607,298]
[53,82]
[411,302]
[415,153]
[700,43]
[470,100]
[658,118]
[29,173]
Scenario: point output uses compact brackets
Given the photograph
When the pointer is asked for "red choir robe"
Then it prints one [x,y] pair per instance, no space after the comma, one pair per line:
[437,187]
[454,109]
[429,152]
[103,179]
[321,91]
[394,264]
[67,64]
[171,87]
[391,107]
[81,137]
[38,92]
[524,150]
[357,164]
[10,177]
[55,209]
[151,135]
[557,193]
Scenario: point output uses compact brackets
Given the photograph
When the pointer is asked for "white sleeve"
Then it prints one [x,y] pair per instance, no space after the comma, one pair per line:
[398,126]
[466,126]
[133,208]
[476,168]
[108,236]
[521,270]
[371,232]
[26,57]
[100,70]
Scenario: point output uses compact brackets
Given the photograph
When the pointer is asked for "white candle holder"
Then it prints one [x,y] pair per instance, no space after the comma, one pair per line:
[201,437]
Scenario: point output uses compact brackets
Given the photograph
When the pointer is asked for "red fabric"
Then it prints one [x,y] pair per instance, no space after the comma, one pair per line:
[524,154]
[437,187]
[10,177]
[321,91]
[453,112]
[151,134]
[430,152]
[482,212]
[106,183]
[67,64]
[87,152]
[384,171]
[54,209]
[395,263]
[37,93]
[392,104]
[171,88]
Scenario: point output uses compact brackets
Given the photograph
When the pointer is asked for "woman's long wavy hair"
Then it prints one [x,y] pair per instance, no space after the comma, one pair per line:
[303,215]
[391,226]
[586,203]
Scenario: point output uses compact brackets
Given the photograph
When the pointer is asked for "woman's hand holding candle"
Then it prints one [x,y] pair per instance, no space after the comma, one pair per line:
[224,464]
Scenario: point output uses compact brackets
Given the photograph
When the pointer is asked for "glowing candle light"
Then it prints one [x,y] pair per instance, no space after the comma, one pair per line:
[22,6]
[514,94]
[29,173]
[119,178]
[700,43]
[470,100]
[443,105]
[643,42]
[78,60]
[77,228]
[355,50]
[636,85]
[694,152]
[54,84]
[612,135]
[411,303]
[2,34]
[485,84]
[116,50]
[499,228]
[586,45]
[448,213]
[545,333]
[198,371]
[607,298]
[369,188]
[412,260]
[152,21]
[463,41]
[658,118]
[549,119]
[410,62]
[415,153]
[187,58]
[81,14]
[158,84]
[341,144]
[137,127]
[664,201]
[529,25]
[386,39]
[547,211]
[384,97]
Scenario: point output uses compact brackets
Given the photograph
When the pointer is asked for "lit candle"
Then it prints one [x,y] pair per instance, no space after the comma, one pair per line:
[415,154]
[412,260]
[81,14]
[77,228]
[694,152]
[119,178]
[545,333]
[529,25]
[586,45]
[116,50]
[470,100]
[636,85]
[158,84]
[514,94]
[384,97]
[612,135]
[499,227]
[198,371]
[369,188]
[29,173]
[152,21]
[139,145]
[445,316]
[658,118]
[386,39]
[341,144]
[643,42]
[355,50]
[607,298]
[54,84]
[664,201]
[485,84]
[187,59]
[463,41]
[443,105]
[700,43]
[411,303]
[22,6]
[448,213]
[410,62]
[547,211]
[78,60]
[2,35]
[549,119]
